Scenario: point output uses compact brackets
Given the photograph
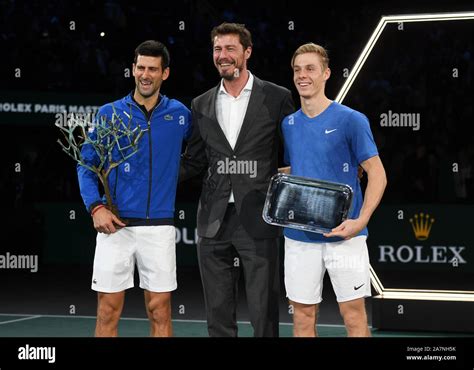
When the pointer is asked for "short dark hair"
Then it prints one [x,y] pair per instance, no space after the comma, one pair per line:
[233,28]
[152,48]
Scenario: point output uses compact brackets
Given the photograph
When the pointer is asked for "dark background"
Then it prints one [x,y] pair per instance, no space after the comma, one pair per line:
[409,71]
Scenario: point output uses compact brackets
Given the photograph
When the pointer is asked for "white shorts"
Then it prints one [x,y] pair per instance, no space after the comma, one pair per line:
[347,263]
[153,248]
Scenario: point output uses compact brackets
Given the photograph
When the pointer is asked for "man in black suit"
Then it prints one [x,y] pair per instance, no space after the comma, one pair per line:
[235,141]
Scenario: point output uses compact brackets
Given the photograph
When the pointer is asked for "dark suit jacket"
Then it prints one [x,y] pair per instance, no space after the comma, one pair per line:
[259,141]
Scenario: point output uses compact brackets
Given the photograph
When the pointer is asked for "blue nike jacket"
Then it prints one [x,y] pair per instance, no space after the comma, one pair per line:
[144,186]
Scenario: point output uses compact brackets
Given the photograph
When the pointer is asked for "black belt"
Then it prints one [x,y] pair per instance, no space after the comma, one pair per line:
[148,221]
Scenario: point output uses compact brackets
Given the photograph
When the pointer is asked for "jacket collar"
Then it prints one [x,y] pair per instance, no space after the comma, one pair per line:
[163,100]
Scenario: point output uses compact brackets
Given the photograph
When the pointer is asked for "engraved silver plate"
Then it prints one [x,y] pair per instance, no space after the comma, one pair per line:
[306,204]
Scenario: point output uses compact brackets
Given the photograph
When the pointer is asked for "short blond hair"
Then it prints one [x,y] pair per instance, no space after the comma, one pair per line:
[312,48]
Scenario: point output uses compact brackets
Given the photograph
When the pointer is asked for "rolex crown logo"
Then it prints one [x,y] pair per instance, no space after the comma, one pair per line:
[421,226]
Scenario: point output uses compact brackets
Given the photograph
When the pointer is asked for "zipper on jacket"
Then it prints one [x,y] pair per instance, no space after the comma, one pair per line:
[150,142]
[151,168]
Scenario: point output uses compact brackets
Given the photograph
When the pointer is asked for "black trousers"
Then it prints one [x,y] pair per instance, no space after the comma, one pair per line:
[219,261]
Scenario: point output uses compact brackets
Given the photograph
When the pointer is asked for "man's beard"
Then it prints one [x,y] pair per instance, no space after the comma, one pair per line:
[229,76]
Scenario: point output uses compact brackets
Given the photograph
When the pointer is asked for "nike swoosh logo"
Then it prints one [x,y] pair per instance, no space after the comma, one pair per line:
[358,287]
[329,131]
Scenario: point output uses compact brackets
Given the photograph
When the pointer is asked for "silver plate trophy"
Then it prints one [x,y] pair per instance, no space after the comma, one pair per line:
[306,204]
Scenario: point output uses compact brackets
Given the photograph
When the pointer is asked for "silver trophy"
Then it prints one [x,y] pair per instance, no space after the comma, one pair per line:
[306,204]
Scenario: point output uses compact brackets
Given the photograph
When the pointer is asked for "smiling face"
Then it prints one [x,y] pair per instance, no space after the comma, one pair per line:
[149,75]
[229,56]
[310,75]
